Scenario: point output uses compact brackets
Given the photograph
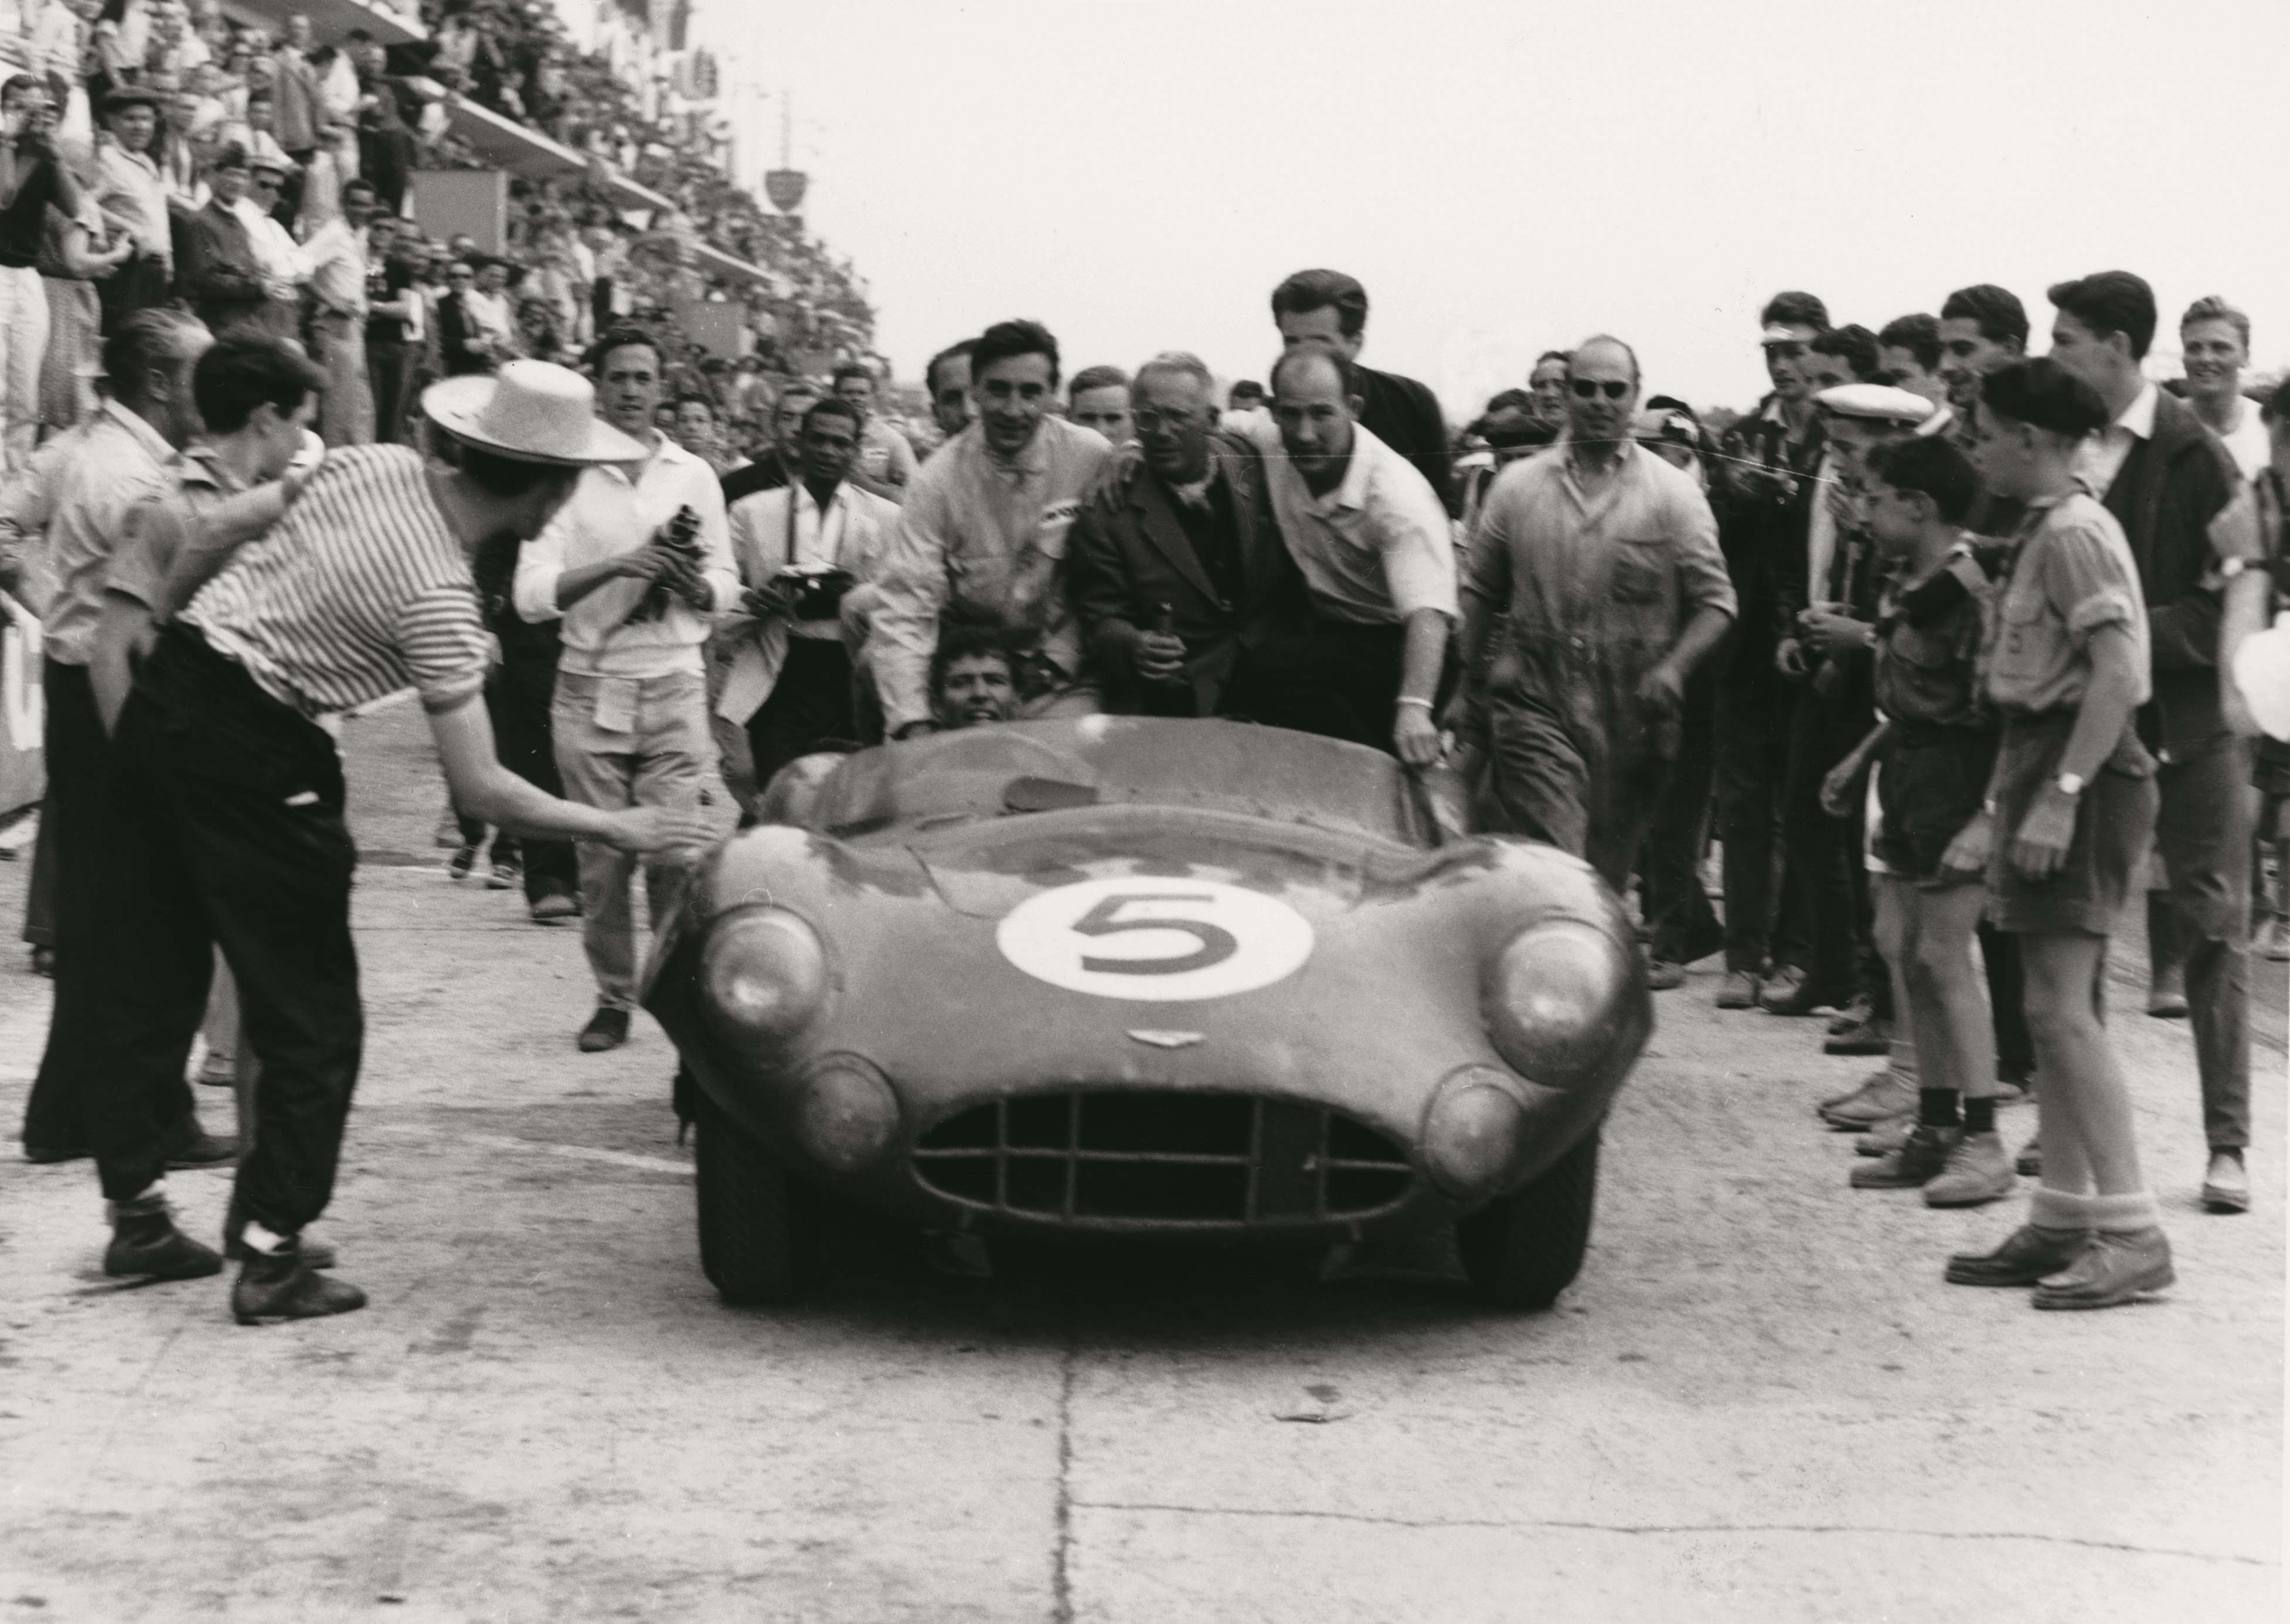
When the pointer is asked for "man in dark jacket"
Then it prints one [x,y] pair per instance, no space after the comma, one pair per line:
[219,273]
[1326,306]
[1762,497]
[1180,575]
[2165,478]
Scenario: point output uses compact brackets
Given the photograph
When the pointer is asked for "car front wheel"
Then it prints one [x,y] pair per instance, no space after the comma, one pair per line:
[758,1237]
[1523,1249]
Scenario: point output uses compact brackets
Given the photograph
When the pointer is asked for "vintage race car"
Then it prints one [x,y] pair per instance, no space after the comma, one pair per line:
[1125,976]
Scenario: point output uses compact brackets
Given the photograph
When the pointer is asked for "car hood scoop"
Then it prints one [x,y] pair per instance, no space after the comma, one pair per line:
[989,871]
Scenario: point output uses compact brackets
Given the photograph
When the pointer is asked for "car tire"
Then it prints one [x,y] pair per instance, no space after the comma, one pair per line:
[1521,1250]
[757,1240]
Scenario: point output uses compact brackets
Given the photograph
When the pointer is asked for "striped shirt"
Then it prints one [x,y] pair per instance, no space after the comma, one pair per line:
[362,589]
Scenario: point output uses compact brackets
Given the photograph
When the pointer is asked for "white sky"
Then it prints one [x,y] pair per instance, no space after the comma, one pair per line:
[1509,178]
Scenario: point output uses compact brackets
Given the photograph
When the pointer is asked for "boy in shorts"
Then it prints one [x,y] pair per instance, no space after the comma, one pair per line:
[2071,811]
[1936,748]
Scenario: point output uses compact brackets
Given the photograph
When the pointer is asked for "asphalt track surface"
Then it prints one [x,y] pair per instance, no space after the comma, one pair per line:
[1760,1403]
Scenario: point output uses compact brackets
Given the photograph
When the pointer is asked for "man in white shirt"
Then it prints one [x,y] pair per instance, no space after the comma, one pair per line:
[798,548]
[2214,343]
[630,715]
[285,267]
[1373,541]
[134,199]
[338,286]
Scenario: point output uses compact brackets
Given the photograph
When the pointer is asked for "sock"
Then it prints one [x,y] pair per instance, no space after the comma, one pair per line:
[2055,1208]
[1936,1107]
[1980,1115]
[2125,1214]
[261,1240]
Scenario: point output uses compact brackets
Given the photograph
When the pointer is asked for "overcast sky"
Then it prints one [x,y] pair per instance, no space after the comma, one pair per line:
[1509,178]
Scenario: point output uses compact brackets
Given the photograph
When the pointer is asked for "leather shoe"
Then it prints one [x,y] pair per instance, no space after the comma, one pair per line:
[1884,1095]
[1859,1012]
[2167,999]
[145,1242]
[550,907]
[1738,990]
[2112,1269]
[2027,1255]
[1978,1171]
[2029,1162]
[1918,1161]
[2226,1186]
[1662,975]
[1791,991]
[1873,1036]
[46,1155]
[188,1145]
[1887,1136]
[283,1285]
[607,1029]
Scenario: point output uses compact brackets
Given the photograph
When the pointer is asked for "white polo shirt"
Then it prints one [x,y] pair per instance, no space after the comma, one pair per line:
[1377,547]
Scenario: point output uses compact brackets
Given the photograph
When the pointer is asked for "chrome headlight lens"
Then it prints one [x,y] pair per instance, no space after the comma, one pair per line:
[848,1115]
[764,974]
[1553,999]
[1471,1132]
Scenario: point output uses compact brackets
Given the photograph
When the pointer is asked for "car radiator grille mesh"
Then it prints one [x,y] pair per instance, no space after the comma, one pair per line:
[1114,1156]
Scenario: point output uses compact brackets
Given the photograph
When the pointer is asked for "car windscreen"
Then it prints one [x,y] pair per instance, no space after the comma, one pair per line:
[1014,768]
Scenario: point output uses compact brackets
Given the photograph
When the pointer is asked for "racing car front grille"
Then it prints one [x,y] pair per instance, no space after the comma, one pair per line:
[1122,1156]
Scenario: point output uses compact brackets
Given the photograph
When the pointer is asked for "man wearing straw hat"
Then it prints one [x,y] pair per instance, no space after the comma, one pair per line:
[227,813]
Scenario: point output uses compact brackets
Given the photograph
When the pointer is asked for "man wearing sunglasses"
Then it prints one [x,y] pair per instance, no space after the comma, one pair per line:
[1762,496]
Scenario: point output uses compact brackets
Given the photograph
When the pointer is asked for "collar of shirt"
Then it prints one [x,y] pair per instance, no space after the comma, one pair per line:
[1033,458]
[1350,493]
[665,452]
[149,438]
[201,464]
[1195,495]
[2139,416]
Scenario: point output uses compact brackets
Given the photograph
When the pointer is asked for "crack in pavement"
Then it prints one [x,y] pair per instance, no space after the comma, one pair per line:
[1060,1577]
[1067,1506]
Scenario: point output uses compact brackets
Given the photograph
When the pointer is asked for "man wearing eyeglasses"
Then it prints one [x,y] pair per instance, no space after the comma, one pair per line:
[1604,558]
[1762,498]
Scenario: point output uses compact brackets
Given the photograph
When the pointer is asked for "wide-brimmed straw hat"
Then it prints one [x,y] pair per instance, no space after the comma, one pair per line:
[531,412]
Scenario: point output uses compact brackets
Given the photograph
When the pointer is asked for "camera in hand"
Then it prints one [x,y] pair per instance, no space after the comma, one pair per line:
[814,594]
[681,537]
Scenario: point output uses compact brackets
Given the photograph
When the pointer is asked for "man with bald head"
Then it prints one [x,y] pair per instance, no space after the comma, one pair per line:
[1604,558]
[1371,540]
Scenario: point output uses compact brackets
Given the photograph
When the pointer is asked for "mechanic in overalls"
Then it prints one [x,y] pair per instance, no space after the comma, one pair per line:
[1607,559]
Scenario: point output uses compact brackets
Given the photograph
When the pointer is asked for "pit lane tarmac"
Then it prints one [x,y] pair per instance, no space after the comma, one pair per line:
[1758,1403]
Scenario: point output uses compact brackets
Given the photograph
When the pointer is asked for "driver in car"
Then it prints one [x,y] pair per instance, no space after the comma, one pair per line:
[972,682]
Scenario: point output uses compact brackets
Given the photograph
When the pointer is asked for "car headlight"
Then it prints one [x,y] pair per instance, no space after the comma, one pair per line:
[1553,999]
[765,972]
[847,1116]
[1471,1132]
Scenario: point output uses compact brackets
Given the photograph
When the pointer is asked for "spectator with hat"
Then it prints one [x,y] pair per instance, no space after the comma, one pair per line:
[132,196]
[221,275]
[230,823]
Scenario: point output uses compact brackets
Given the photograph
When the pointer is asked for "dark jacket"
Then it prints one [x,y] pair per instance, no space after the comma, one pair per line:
[1405,416]
[453,339]
[1762,530]
[218,272]
[1128,553]
[2168,491]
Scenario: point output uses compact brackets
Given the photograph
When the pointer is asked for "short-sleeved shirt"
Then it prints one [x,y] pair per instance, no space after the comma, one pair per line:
[116,461]
[2073,573]
[154,530]
[1927,666]
[361,590]
[884,453]
[1375,549]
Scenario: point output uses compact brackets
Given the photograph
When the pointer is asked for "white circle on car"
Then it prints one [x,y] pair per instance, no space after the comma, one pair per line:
[1155,939]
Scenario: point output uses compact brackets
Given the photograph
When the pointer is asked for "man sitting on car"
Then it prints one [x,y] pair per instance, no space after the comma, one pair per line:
[972,678]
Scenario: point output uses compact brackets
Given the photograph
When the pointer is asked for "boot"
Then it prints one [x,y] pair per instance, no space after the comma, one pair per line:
[145,1241]
[281,1286]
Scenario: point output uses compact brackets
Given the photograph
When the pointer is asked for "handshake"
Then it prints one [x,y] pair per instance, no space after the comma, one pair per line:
[670,561]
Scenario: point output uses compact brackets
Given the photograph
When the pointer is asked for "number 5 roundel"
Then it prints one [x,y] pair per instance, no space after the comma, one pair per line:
[1155,939]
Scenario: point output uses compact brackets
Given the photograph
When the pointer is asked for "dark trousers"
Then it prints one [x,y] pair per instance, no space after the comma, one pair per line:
[1676,907]
[810,707]
[1753,739]
[138,284]
[59,1112]
[226,827]
[40,895]
[2202,830]
[389,372]
[1338,680]
[517,698]
[1825,851]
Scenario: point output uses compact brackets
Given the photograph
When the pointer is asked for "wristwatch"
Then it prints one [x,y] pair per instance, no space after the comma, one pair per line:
[2070,784]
